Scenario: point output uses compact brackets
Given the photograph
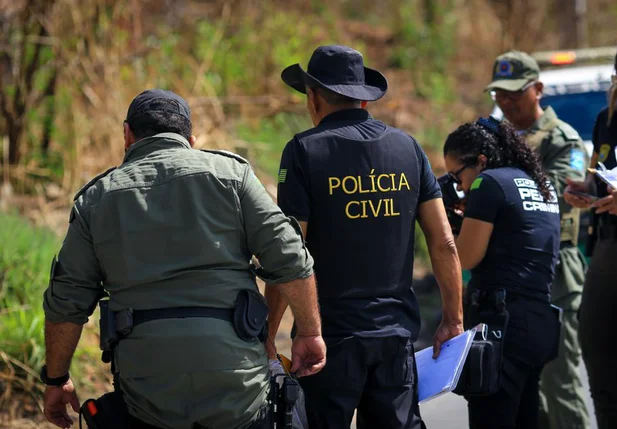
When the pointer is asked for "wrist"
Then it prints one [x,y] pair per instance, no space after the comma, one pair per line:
[53,381]
[452,320]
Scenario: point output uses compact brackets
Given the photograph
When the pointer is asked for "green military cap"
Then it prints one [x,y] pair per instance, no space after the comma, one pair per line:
[513,70]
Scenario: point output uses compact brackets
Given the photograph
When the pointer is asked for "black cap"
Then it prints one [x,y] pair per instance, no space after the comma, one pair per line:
[151,101]
[340,69]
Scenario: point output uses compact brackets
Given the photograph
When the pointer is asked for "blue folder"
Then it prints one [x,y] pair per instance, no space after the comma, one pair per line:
[439,376]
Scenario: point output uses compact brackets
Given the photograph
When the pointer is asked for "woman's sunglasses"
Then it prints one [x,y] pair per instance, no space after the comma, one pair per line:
[454,176]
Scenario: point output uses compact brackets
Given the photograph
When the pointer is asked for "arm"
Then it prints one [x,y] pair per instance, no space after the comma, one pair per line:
[277,242]
[276,309]
[60,343]
[446,266]
[472,242]
[74,288]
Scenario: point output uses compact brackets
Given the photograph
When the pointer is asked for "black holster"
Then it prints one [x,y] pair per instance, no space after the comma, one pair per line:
[283,398]
[482,372]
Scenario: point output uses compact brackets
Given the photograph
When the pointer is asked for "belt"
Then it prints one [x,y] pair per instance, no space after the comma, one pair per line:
[143,316]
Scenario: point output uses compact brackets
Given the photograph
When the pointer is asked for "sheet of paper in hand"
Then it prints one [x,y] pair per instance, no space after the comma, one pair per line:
[607,176]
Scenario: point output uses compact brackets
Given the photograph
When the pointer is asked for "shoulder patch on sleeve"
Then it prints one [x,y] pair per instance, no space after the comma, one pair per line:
[568,133]
[577,160]
[227,154]
[92,182]
[476,183]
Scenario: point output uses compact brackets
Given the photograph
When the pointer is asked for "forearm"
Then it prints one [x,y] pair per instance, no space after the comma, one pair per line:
[60,343]
[301,295]
[276,309]
[447,270]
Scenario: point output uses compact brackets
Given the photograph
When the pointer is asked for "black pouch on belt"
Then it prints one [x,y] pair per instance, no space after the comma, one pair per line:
[107,412]
[250,314]
[481,374]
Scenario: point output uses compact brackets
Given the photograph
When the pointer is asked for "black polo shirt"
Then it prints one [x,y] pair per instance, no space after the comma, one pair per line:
[524,246]
[358,184]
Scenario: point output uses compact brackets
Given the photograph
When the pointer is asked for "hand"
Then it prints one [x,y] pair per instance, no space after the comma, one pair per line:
[613,211]
[577,200]
[308,355]
[444,332]
[55,401]
[607,204]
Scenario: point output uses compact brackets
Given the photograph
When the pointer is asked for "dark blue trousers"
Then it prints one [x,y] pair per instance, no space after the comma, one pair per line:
[376,376]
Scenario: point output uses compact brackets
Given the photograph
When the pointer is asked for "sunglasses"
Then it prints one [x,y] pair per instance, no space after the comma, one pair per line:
[500,94]
[455,176]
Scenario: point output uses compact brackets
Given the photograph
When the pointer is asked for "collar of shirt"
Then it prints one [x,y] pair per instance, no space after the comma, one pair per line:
[156,142]
[347,115]
[546,122]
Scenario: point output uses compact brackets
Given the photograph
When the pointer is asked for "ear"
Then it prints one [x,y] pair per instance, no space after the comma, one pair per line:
[364,104]
[192,140]
[539,86]
[482,161]
[129,137]
[312,101]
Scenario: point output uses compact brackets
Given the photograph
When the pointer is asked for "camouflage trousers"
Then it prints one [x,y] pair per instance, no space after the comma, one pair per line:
[562,397]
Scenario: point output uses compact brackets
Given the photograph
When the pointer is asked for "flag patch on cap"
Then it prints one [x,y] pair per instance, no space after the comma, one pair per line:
[504,69]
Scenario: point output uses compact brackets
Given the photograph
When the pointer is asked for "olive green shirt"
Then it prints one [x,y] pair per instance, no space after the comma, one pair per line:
[563,156]
[175,227]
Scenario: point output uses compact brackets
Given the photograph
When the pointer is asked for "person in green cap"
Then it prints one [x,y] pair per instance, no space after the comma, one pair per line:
[517,90]
[169,236]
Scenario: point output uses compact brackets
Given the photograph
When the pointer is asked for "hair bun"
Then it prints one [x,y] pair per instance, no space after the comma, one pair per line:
[490,124]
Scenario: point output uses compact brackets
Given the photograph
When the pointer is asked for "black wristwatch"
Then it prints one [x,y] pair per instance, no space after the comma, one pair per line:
[56,382]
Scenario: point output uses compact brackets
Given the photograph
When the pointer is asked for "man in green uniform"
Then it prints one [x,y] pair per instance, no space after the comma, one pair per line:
[517,91]
[171,228]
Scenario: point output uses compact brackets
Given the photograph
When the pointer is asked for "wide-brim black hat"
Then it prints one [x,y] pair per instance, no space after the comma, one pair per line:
[339,69]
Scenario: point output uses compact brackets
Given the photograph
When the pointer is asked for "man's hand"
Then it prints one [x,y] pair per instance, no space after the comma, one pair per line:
[55,401]
[445,331]
[613,211]
[308,355]
[577,201]
[607,204]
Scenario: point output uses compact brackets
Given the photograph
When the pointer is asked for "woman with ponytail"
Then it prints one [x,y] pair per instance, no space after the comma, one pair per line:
[597,314]
[509,239]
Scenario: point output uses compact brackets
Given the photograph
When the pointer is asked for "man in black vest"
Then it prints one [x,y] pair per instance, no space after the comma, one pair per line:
[357,186]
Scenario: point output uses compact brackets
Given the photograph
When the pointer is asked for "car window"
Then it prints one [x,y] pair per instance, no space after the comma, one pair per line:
[579,110]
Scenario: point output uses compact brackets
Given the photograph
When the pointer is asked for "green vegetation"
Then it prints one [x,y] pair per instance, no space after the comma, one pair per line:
[25,259]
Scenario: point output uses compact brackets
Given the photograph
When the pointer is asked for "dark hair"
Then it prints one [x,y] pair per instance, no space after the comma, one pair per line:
[501,146]
[153,122]
[335,99]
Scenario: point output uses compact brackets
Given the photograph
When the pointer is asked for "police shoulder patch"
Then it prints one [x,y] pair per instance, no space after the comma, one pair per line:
[227,154]
[577,160]
[605,149]
[476,183]
[92,182]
